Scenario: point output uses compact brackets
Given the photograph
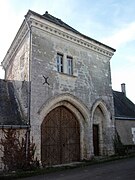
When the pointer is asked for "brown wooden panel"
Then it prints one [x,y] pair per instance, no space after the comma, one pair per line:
[60,137]
[50,147]
[70,132]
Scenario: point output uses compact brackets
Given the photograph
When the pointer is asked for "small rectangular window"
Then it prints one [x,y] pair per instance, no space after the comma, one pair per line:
[59,62]
[69,65]
[22,59]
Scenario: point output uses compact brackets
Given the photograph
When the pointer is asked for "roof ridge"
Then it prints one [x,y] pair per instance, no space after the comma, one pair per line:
[59,21]
[124,107]
[66,26]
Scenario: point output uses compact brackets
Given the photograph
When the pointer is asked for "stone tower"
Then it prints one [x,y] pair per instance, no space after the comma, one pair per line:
[62,81]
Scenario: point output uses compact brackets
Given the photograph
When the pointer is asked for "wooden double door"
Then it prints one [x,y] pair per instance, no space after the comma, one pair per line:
[60,137]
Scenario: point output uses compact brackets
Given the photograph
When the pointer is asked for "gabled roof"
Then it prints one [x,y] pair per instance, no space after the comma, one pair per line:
[124,108]
[60,23]
[9,111]
[49,20]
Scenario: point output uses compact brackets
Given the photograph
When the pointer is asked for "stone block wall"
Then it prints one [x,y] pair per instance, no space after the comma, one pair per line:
[91,78]
[90,83]
[82,92]
[18,72]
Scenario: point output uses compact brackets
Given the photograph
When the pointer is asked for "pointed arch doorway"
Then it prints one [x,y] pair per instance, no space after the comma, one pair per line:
[60,137]
[98,128]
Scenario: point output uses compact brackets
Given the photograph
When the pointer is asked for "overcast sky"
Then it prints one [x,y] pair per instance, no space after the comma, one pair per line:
[109,21]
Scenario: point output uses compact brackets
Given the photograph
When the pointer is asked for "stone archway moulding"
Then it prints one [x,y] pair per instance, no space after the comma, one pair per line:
[102,105]
[103,124]
[80,111]
[67,100]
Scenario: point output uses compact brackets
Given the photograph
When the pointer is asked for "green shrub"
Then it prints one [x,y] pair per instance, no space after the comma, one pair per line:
[18,154]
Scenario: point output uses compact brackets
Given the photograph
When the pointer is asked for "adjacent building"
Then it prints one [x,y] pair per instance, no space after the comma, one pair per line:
[124,117]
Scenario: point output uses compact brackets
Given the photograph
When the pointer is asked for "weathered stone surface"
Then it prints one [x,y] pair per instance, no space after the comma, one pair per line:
[91,82]
[87,93]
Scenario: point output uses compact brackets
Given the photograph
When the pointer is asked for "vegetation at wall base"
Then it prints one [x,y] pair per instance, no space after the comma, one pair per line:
[18,154]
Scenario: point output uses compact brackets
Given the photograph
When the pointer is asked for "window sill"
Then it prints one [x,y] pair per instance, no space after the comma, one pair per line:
[68,75]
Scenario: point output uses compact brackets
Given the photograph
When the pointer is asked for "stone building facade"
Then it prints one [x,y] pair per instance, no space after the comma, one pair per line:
[124,110]
[62,82]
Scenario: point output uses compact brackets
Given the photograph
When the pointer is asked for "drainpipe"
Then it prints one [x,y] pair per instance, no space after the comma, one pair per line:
[29,92]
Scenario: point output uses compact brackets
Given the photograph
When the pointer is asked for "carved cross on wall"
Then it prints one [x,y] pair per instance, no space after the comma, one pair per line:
[46,80]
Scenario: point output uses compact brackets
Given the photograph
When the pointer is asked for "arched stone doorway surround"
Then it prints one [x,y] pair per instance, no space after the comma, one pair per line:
[101,121]
[81,113]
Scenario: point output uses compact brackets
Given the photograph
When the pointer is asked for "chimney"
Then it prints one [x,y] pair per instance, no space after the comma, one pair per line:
[123,88]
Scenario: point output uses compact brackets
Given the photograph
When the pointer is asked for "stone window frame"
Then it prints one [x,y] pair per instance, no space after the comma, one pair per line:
[69,60]
[60,62]
[64,64]
[22,59]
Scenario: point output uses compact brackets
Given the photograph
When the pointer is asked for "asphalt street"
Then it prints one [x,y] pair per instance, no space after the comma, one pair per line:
[120,170]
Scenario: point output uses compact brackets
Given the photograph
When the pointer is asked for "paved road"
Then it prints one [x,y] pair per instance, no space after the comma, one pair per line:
[116,170]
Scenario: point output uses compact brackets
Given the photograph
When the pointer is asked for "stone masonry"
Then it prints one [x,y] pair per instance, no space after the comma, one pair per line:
[87,92]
